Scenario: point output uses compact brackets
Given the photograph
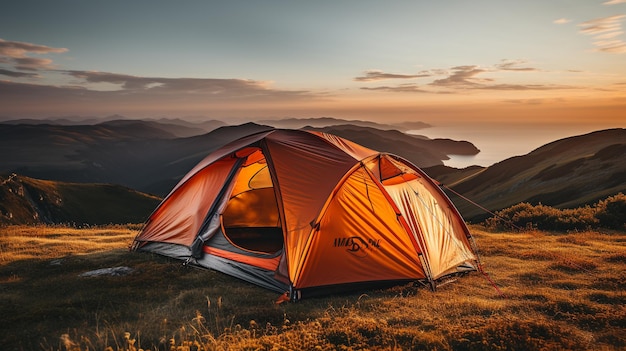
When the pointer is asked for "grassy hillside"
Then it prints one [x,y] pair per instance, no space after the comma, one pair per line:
[450,175]
[25,200]
[566,173]
[562,292]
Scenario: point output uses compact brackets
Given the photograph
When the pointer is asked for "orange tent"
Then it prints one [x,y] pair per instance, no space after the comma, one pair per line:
[301,212]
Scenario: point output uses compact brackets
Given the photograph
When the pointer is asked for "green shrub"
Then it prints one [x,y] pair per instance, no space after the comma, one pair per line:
[611,212]
[527,216]
[608,213]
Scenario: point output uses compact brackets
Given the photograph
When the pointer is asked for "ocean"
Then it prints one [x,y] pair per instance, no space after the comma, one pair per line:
[500,142]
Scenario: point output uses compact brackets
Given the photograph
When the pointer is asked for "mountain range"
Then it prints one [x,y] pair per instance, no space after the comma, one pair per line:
[171,127]
[198,125]
[321,122]
[26,200]
[134,155]
[152,155]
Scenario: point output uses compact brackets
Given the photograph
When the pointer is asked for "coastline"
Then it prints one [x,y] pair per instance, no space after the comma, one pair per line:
[500,141]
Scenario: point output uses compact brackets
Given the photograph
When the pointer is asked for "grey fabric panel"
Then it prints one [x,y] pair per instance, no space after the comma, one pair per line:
[239,270]
[243,271]
[466,267]
[220,242]
[167,249]
[213,224]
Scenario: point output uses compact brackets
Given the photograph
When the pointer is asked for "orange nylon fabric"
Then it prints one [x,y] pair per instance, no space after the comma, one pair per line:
[266,263]
[253,175]
[387,169]
[359,239]
[358,152]
[178,219]
[307,170]
[220,153]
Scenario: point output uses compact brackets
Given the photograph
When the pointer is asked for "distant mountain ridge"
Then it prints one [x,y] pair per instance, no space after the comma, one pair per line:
[566,173]
[146,159]
[202,126]
[173,128]
[149,158]
[25,200]
[321,122]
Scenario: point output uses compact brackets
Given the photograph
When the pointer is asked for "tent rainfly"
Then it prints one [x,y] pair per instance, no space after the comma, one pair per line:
[304,213]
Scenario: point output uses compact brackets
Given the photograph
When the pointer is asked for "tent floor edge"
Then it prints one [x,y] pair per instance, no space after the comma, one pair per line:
[169,250]
[252,274]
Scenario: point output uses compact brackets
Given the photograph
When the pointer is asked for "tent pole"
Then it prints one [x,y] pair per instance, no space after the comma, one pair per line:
[294,295]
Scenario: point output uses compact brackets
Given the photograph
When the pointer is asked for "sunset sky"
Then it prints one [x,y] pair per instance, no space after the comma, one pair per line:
[456,62]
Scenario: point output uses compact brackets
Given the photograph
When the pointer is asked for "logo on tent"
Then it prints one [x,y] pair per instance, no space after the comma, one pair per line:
[356,245]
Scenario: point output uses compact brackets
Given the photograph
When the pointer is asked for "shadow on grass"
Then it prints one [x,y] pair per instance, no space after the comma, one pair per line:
[43,299]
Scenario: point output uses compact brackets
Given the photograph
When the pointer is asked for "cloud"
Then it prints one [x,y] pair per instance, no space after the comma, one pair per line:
[526,101]
[467,77]
[562,21]
[376,75]
[605,32]
[32,63]
[126,82]
[608,35]
[520,87]
[611,46]
[18,49]
[145,94]
[462,76]
[602,25]
[614,2]
[208,88]
[512,65]
[14,74]
[404,88]
[17,54]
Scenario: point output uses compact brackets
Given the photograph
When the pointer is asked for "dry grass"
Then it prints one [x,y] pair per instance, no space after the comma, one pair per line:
[49,242]
[563,292]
